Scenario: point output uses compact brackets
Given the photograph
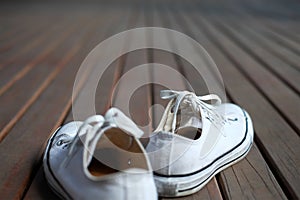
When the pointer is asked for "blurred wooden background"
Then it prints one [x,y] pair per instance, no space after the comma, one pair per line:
[255,44]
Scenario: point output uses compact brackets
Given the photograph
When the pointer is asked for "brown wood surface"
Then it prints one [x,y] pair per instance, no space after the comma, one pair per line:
[21,37]
[255,47]
[255,44]
[24,97]
[39,188]
[258,75]
[236,188]
[10,67]
[22,158]
[266,140]
[273,146]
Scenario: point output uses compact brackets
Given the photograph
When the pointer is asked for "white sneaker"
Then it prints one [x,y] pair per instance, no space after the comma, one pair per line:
[196,140]
[99,159]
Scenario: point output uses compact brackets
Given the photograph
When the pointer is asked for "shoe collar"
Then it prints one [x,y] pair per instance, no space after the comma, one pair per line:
[114,118]
[90,133]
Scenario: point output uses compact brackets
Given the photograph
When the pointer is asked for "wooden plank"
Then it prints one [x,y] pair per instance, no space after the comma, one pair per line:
[280,39]
[22,146]
[258,75]
[284,18]
[264,27]
[248,192]
[9,182]
[35,84]
[211,190]
[251,178]
[39,180]
[277,141]
[259,172]
[285,72]
[282,52]
[10,68]
[20,44]
[16,44]
[277,10]
[9,30]
[282,29]
[41,52]
[29,29]
[283,41]
[39,189]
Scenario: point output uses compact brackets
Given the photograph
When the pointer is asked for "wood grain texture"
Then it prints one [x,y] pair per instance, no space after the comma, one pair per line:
[10,65]
[281,40]
[282,52]
[262,28]
[258,74]
[36,85]
[273,147]
[39,188]
[283,28]
[255,47]
[259,77]
[255,44]
[35,128]
[250,178]
[196,32]
[20,36]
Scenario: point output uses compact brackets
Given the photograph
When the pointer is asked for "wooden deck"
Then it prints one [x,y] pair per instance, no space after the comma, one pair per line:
[255,44]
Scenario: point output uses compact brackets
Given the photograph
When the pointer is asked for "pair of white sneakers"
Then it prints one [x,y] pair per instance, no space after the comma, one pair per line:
[103,158]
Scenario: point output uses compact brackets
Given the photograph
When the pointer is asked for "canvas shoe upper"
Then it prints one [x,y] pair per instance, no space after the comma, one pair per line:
[100,158]
[195,140]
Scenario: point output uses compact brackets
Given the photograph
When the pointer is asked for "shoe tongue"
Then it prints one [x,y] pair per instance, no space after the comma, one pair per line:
[116,117]
[192,121]
[188,118]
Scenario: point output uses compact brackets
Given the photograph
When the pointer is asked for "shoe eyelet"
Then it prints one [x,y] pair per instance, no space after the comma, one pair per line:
[233,120]
[59,142]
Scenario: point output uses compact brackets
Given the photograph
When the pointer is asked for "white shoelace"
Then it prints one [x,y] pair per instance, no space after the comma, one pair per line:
[190,98]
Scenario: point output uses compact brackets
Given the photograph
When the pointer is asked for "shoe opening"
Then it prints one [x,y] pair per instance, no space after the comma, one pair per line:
[116,151]
[188,122]
[190,132]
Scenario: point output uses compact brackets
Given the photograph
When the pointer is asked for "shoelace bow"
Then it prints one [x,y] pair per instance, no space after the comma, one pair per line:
[191,98]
